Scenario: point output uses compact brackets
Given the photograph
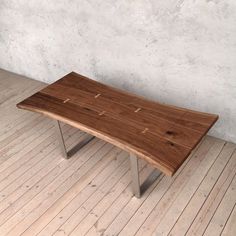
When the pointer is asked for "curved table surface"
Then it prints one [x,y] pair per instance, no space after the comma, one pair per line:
[161,134]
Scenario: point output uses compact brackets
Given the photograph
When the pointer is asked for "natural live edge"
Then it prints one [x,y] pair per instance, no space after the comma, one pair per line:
[167,169]
[86,126]
[61,101]
[162,167]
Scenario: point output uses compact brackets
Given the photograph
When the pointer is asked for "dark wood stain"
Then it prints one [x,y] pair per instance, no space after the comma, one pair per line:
[163,135]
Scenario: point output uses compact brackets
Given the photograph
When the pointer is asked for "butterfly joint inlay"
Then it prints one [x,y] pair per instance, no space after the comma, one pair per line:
[145,130]
[102,113]
[99,94]
[66,100]
[138,109]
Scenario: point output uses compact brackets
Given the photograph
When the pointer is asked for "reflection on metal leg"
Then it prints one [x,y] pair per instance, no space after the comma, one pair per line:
[135,175]
[62,142]
[138,188]
[61,139]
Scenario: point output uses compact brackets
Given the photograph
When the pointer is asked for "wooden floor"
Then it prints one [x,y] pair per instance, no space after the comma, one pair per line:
[90,194]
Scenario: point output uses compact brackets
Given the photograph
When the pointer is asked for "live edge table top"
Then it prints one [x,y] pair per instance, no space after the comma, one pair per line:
[161,134]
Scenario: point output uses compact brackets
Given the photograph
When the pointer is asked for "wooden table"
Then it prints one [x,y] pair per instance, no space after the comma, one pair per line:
[163,135]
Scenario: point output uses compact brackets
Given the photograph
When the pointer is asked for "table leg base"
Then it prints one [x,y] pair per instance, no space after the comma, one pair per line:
[76,148]
[136,187]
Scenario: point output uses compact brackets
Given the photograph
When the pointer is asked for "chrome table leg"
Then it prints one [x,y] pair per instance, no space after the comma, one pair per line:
[135,175]
[138,188]
[76,148]
[61,139]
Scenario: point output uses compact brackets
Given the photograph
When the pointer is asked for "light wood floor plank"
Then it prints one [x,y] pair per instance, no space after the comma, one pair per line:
[182,184]
[21,135]
[223,211]
[90,194]
[18,93]
[26,189]
[116,208]
[209,207]
[58,215]
[91,202]
[19,222]
[6,177]
[72,200]
[230,227]
[13,128]
[12,91]
[124,183]
[222,167]
[33,177]
[86,226]
[160,191]
[11,107]
[202,177]
[31,158]
[21,146]
[55,192]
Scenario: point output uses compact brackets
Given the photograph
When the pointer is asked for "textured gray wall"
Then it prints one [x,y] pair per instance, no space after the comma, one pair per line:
[181,52]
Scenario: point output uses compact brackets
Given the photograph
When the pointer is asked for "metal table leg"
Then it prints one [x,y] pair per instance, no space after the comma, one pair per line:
[137,188]
[76,148]
[135,175]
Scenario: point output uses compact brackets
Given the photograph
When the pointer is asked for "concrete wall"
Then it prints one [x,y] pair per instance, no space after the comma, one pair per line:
[181,52]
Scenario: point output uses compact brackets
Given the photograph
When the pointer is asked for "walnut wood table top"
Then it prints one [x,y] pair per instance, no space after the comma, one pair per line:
[161,134]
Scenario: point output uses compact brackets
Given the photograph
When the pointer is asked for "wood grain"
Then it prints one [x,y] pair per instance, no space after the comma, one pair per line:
[82,207]
[163,135]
